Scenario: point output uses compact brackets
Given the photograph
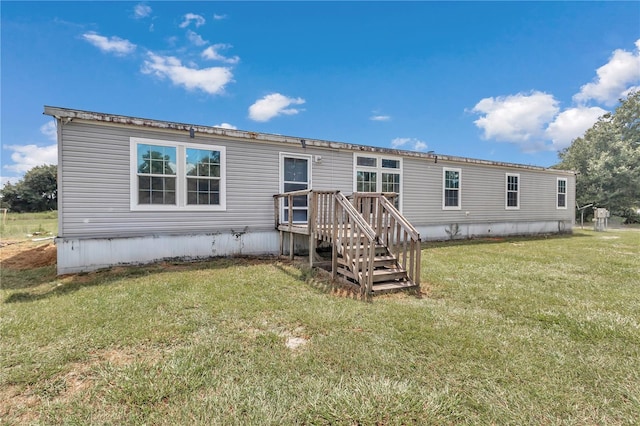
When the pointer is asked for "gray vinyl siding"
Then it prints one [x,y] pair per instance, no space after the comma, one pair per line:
[95,172]
[482,194]
[96,178]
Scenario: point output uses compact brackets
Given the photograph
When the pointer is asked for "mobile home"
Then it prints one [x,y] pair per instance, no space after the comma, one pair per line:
[135,190]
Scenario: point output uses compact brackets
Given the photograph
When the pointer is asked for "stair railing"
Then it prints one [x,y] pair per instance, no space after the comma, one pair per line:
[356,240]
[393,230]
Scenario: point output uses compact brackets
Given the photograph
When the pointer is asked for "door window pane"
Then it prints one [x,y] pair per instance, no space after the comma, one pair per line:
[295,170]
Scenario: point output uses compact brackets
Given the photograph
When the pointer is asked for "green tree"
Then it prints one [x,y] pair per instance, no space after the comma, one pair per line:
[37,191]
[607,159]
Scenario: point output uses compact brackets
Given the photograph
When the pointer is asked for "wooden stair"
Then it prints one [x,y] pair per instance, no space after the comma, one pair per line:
[388,275]
[373,247]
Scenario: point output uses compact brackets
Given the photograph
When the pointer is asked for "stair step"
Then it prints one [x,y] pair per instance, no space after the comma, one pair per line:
[378,261]
[379,249]
[390,286]
[392,274]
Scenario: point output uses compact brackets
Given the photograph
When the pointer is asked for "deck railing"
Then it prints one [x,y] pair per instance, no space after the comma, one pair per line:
[288,198]
[394,231]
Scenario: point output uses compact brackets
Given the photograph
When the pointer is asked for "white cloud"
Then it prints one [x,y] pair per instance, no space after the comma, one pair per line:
[195,38]
[115,45]
[211,53]
[26,157]
[226,126]
[273,105]
[419,146]
[141,10]
[519,118]
[49,130]
[210,80]
[532,120]
[379,118]
[614,79]
[572,123]
[192,17]
[398,142]
[411,144]
[219,17]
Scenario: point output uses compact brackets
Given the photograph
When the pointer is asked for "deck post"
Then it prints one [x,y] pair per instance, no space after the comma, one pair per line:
[276,210]
[311,221]
[291,234]
[290,222]
[334,239]
[416,278]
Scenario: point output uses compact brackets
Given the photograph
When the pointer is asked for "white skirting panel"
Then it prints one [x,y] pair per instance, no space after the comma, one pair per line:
[82,255]
[497,229]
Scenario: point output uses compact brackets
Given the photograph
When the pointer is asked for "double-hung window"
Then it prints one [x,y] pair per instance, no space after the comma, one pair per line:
[451,187]
[375,173]
[561,199]
[203,177]
[168,175]
[512,196]
[156,174]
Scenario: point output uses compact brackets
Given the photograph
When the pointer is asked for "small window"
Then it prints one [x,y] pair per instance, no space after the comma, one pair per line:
[451,189]
[513,191]
[366,181]
[367,161]
[390,164]
[391,183]
[562,193]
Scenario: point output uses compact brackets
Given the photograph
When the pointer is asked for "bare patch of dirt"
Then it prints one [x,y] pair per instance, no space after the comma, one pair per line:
[18,405]
[27,255]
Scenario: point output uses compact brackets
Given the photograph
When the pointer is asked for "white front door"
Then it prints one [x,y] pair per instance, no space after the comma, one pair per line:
[295,175]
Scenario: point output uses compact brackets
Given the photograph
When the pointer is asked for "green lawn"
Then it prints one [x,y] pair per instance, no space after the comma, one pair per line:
[19,226]
[515,331]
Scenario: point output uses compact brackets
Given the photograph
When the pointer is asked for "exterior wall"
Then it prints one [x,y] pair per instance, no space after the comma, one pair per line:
[482,194]
[95,181]
[98,228]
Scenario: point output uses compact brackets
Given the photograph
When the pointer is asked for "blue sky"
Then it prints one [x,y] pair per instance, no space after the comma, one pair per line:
[499,81]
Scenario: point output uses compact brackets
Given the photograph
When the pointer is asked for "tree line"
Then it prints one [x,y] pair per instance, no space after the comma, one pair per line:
[37,191]
[607,161]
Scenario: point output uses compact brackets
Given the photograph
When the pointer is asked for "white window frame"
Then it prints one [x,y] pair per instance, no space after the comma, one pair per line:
[309,159]
[379,170]
[566,198]
[181,176]
[444,182]
[506,192]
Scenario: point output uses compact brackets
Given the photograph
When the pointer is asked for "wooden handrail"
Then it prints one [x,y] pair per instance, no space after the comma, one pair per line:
[293,193]
[349,230]
[388,205]
[402,239]
[349,208]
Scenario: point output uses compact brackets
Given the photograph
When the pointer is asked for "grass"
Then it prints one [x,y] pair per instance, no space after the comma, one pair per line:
[515,331]
[17,226]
